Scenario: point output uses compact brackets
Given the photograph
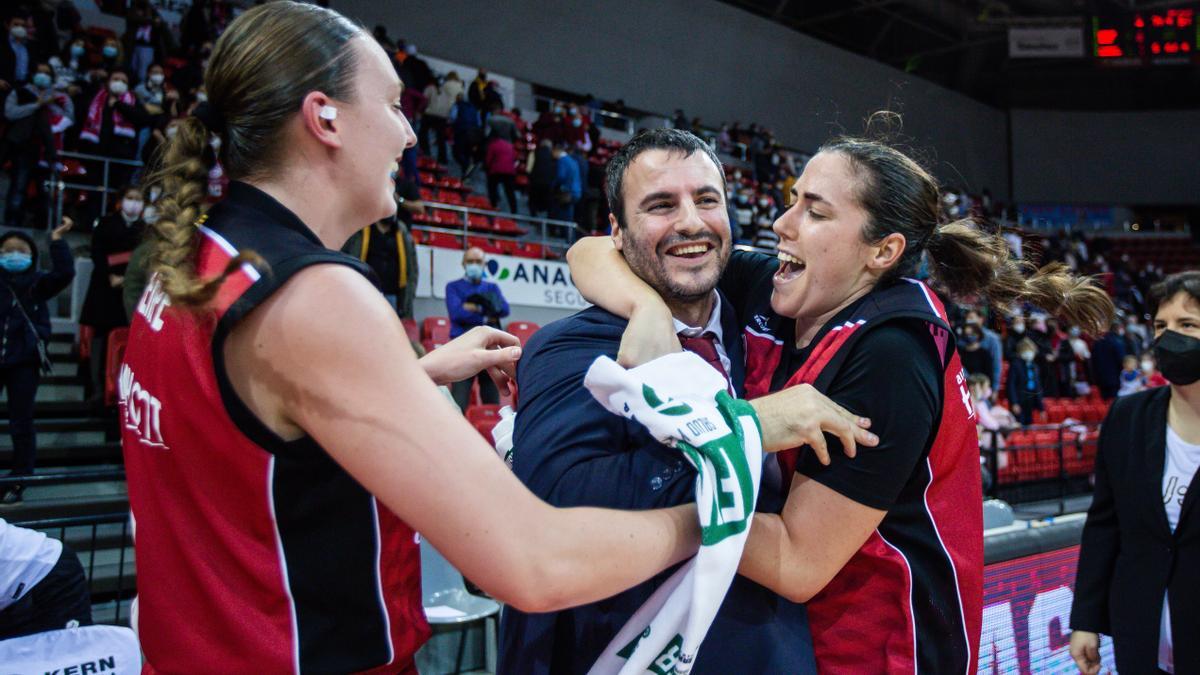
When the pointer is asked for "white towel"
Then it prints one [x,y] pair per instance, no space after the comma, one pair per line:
[683,402]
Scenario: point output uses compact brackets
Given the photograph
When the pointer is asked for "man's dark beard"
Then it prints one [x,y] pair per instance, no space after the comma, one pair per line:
[644,262]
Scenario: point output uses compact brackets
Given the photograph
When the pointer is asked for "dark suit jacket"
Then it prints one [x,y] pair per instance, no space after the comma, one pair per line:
[570,451]
[1129,555]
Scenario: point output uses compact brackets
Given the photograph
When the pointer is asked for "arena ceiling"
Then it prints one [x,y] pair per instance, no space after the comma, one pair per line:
[964,45]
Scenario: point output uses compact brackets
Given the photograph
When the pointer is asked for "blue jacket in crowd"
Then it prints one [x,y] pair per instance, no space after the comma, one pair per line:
[459,291]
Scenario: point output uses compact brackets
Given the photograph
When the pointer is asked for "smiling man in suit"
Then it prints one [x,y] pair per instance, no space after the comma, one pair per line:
[666,190]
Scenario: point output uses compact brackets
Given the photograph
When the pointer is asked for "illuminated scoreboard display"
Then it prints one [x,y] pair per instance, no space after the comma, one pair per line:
[1155,37]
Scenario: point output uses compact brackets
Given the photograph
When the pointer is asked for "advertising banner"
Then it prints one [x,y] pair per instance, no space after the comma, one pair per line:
[523,281]
[1026,616]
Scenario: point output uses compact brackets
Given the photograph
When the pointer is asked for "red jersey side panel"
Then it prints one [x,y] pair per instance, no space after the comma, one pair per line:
[254,554]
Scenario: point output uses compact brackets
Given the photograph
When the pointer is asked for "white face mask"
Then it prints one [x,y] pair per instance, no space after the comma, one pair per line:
[150,215]
[1027,357]
[18,32]
[118,87]
[171,131]
[157,79]
[1147,367]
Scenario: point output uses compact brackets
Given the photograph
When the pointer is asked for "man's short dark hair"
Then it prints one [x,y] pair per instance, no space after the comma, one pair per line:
[684,142]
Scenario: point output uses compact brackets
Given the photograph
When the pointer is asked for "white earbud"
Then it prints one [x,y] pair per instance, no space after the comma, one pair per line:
[328,112]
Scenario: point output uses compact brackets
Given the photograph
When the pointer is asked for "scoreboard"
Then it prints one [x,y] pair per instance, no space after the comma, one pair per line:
[1166,36]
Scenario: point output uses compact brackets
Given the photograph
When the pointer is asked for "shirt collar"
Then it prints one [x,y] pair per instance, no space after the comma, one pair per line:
[247,196]
[713,326]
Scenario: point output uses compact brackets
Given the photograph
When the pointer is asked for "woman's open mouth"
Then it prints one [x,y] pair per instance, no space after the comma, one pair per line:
[790,267]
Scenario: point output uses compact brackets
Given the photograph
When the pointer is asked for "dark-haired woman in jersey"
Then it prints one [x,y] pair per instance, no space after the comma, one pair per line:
[886,548]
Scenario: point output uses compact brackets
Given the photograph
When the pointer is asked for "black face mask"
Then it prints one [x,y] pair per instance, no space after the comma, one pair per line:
[1178,357]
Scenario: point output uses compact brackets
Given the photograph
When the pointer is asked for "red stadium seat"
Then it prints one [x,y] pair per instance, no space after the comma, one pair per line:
[485,426]
[479,202]
[436,328]
[410,327]
[528,250]
[118,338]
[431,345]
[483,411]
[522,329]
[450,197]
[507,226]
[443,240]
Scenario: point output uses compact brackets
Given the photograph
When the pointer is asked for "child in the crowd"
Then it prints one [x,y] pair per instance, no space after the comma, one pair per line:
[1150,371]
[1025,383]
[1133,379]
[990,416]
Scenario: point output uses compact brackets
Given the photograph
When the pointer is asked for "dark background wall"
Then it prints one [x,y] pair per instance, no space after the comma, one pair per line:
[710,59]
[1106,158]
[724,64]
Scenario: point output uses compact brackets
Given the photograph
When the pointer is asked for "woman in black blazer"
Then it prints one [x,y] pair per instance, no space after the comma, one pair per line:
[1141,542]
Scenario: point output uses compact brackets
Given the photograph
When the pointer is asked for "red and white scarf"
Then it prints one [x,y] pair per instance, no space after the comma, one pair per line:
[95,118]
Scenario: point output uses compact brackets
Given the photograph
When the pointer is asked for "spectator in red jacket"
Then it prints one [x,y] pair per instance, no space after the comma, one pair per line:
[500,163]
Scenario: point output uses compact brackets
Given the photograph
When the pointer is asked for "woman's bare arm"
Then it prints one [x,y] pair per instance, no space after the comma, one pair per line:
[604,278]
[327,357]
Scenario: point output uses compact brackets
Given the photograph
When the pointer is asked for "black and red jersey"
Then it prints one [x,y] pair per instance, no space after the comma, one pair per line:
[254,554]
[910,599]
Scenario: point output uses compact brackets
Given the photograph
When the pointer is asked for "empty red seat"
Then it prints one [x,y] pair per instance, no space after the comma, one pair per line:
[436,328]
[118,339]
[410,327]
[426,178]
[444,240]
[483,411]
[479,202]
[431,345]
[522,329]
[528,250]
[485,426]
[450,197]
[507,226]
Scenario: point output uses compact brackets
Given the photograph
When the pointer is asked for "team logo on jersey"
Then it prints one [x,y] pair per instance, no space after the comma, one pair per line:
[761,323]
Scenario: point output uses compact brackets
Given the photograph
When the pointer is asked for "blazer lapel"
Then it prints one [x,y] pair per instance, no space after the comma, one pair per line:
[1155,435]
[731,340]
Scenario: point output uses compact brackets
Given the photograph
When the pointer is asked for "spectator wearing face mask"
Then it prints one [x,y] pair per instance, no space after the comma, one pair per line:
[37,116]
[15,63]
[764,221]
[500,163]
[975,359]
[441,94]
[471,301]
[1133,379]
[73,65]
[111,56]
[25,318]
[113,242]
[110,126]
[147,39]
[1107,355]
[568,185]
[990,343]
[1025,383]
[542,168]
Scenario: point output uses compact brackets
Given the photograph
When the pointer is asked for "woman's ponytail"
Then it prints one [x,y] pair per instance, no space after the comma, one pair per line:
[900,196]
[968,261]
[183,177]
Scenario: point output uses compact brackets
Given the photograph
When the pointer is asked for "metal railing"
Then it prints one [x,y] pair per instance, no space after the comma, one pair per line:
[1041,462]
[83,534]
[465,228]
[56,186]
